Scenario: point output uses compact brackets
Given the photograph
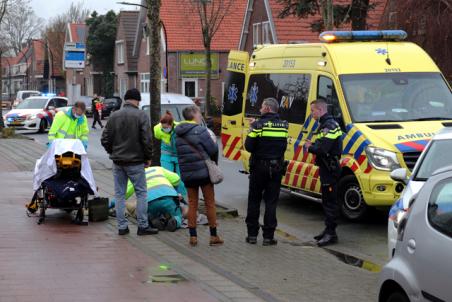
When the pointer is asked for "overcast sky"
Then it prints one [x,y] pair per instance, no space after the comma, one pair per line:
[48,8]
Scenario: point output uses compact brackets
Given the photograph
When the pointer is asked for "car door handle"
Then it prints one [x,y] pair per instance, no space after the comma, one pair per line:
[411,246]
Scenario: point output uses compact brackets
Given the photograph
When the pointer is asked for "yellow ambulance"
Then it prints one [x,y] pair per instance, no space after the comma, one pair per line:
[388,96]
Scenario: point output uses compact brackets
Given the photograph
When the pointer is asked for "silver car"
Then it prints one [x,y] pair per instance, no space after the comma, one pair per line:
[437,154]
[421,269]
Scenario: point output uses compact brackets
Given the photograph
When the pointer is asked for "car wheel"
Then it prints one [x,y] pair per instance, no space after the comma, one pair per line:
[351,199]
[398,296]
[42,126]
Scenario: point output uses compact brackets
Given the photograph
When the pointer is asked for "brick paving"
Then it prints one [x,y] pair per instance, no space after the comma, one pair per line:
[59,261]
[291,271]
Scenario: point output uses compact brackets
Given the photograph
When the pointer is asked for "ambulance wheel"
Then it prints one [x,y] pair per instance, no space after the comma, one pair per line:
[351,199]
[42,126]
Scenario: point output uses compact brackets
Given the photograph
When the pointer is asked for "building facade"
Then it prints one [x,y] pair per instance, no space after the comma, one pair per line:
[182,53]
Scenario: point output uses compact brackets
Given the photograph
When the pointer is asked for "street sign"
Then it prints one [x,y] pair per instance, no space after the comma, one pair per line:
[74,55]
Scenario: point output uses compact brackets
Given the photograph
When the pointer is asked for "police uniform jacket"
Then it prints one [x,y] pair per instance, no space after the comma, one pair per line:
[267,139]
[328,144]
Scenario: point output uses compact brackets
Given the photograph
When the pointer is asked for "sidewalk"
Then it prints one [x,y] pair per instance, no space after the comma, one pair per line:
[59,261]
[291,271]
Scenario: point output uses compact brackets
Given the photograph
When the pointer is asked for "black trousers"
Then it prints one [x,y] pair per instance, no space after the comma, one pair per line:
[96,118]
[263,185]
[330,206]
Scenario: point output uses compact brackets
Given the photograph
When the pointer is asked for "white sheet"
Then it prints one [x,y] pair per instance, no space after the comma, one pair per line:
[46,166]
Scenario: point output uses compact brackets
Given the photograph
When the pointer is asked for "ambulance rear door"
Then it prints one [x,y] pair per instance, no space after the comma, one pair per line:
[232,113]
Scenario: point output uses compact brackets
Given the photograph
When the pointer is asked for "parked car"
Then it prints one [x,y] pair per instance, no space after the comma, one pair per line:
[23,94]
[110,105]
[35,113]
[88,102]
[421,268]
[435,155]
[6,101]
[175,103]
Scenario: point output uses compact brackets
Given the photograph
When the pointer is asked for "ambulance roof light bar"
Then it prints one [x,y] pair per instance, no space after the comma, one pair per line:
[362,35]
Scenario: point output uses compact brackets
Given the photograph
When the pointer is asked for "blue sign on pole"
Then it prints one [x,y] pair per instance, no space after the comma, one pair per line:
[74,55]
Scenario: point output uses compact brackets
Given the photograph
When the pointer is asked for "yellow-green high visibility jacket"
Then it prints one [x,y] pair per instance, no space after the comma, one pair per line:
[160,183]
[168,140]
[65,125]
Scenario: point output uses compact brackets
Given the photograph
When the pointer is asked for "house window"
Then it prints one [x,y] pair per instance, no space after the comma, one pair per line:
[256,33]
[144,82]
[266,34]
[147,46]
[122,87]
[120,51]
[190,87]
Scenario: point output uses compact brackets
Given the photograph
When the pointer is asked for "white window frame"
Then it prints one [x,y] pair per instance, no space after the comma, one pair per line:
[196,86]
[256,33]
[145,80]
[266,33]
[120,51]
[122,87]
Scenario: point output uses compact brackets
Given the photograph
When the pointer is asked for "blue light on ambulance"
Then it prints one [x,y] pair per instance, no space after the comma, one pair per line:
[363,35]
[48,94]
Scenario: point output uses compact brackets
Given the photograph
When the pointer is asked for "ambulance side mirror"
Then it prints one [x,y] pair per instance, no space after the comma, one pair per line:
[400,174]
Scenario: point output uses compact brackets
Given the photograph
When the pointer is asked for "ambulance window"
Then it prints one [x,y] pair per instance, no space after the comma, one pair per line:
[327,91]
[290,90]
[233,94]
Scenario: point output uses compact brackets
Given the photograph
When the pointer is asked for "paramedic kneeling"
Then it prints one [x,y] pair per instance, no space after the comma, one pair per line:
[328,149]
[163,196]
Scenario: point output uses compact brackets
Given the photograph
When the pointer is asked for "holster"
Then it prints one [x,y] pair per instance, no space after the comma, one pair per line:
[332,164]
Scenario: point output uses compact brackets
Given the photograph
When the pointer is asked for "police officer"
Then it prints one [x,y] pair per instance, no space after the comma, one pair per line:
[328,149]
[267,142]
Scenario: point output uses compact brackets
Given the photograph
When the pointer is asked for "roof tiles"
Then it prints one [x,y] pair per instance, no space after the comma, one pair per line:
[294,29]
[183,27]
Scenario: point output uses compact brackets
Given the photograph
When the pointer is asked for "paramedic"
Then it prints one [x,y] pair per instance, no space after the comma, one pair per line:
[72,124]
[163,197]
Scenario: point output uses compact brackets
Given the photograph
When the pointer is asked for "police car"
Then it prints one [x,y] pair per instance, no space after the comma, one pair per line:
[35,113]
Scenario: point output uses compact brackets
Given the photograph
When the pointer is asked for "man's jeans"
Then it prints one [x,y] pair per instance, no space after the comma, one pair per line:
[137,176]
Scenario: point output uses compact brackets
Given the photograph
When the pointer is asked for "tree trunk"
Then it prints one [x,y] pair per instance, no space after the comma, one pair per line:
[155,71]
[209,104]
[2,124]
[358,14]
[330,15]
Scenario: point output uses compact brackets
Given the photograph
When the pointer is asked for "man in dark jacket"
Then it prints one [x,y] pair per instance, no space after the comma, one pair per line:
[127,138]
[328,149]
[194,145]
[267,142]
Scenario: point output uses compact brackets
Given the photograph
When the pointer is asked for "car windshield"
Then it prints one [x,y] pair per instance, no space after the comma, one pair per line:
[34,103]
[396,97]
[437,156]
[176,110]
[29,94]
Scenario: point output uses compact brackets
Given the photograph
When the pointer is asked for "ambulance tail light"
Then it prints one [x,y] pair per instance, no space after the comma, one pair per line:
[362,35]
